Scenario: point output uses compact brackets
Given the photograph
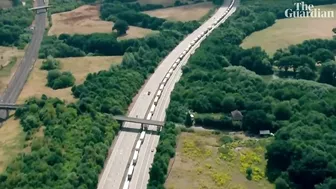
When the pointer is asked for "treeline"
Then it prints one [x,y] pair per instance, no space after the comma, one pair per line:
[132,15]
[164,152]
[78,135]
[14,28]
[303,58]
[301,112]
[80,45]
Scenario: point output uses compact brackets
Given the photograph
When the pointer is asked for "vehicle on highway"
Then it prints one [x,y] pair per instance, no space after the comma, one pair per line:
[148,93]
[135,157]
[142,136]
[126,185]
[138,145]
[156,100]
[152,150]
[130,172]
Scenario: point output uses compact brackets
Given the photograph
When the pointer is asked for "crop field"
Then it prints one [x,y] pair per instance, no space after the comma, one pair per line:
[85,20]
[79,67]
[201,162]
[5,4]
[286,32]
[182,13]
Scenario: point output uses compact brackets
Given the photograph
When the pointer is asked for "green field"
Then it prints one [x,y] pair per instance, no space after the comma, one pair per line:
[286,32]
[201,162]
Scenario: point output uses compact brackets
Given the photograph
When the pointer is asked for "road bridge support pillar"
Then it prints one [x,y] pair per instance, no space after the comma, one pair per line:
[7,114]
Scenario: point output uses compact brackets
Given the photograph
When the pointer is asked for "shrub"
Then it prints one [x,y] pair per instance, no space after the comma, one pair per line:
[58,80]
[50,64]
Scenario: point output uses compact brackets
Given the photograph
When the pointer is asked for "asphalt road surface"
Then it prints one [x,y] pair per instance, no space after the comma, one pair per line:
[117,164]
[20,77]
[141,172]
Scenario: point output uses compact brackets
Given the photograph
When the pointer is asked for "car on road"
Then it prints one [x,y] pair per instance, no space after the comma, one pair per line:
[152,150]
[148,93]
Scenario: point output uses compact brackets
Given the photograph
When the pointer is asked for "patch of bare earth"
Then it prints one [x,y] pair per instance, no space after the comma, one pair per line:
[79,67]
[182,13]
[85,20]
[7,69]
[5,4]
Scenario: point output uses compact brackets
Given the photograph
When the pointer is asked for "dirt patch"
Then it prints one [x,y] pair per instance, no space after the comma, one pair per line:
[6,53]
[182,13]
[200,162]
[11,142]
[5,4]
[286,32]
[79,67]
[85,20]
[8,67]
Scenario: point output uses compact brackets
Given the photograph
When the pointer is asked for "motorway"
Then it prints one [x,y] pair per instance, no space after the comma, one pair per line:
[117,164]
[141,172]
[20,77]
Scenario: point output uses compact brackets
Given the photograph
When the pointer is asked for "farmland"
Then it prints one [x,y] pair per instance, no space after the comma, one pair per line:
[201,162]
[79,67]
[85,20]
[182,13]
[286,32]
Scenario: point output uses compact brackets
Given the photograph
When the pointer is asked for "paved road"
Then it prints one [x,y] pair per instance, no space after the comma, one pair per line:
[117,165]
[141,173]
[17,82]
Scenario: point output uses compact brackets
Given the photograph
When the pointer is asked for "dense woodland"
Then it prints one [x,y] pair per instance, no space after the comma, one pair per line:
[77,136]
[219,78]
[302,113]
[14,28]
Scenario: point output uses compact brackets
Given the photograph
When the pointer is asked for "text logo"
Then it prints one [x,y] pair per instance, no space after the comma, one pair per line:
[303,10]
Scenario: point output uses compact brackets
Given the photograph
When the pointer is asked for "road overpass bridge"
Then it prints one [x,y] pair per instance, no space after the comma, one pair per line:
[144,122]
[40,8]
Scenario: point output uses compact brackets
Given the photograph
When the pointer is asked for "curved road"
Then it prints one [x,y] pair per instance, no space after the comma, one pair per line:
[117,164]
[17,82]
[145,159]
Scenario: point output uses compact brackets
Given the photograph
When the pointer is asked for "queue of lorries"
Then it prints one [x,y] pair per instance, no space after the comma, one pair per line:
[158,95]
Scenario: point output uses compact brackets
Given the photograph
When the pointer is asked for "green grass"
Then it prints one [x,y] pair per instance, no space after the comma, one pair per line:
[202,162]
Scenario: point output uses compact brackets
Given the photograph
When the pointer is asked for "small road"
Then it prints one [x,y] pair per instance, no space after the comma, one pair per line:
[20,77]
[117,164]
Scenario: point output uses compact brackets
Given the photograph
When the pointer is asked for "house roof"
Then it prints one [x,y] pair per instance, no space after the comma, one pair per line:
[237,115]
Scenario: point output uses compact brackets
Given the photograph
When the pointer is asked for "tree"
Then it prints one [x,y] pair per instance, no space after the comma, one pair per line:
[249,172]
[328,73]
[334,30]
[283,111]
[323,55]
[121,26]
[188,121]
[218,2]
[304,72]
[50,64]
[280,183]
[58,80]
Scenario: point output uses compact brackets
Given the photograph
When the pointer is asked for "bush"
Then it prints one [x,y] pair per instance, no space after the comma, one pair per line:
[58,80]
[50,64]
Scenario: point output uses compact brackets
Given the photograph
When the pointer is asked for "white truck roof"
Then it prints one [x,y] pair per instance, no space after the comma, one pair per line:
[149,116]
[152,108]
[159,93]
[137,147]
[130,170]
[156,100]
[161,86]
[126,185]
